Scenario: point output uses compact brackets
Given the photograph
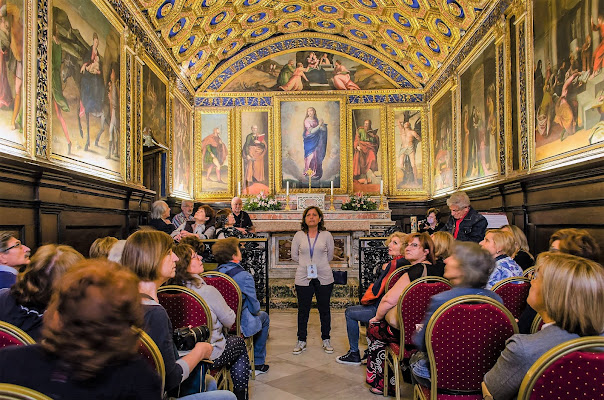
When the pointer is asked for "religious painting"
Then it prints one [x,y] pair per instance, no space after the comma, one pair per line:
[408,149]
[182,147]
[316,70]
[368,140]
[568,80]
[311,143]
[14,61]
[255,146]
[477,132]
[86,88]
[212,152]
[155,102]
[442,153]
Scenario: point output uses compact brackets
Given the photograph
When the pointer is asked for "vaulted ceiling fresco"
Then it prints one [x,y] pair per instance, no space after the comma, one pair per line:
[416,35]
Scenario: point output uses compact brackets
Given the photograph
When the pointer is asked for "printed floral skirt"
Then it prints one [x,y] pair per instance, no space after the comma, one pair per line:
[379,336]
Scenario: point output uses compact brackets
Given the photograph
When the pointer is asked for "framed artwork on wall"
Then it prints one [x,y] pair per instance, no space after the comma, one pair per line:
[368,143]
[568,75]
[311,143]
[86,98]
[254,150]
[213,161]
[442,146]
[182,146]
[409,172]
[154,99]
[477,125]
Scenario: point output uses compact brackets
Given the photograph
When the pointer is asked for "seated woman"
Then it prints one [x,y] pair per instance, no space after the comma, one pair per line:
[468,269]
[202,227]
[500,244]
[432,222]
[160,214]
[372,297]
[568,292]
[443,246]
[228,228]
[229,350]
[89,349]
[149,255]
[23,305]
[419,251]
[522,254]
[100,248]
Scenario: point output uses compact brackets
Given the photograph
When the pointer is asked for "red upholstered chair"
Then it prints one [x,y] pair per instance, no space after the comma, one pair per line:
[537,324]
[464,338]
[569,371]
[528,273]
[395,276]
[514,292]
[16,392]
[411,308]
[10,335]
[149,351]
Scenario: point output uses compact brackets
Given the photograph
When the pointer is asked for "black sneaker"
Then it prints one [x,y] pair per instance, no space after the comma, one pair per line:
[261,369]
[350,358]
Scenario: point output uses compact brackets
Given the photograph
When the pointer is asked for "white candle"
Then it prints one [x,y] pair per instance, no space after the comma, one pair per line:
[287,188]
[331,188]
[381,187]
[239,188]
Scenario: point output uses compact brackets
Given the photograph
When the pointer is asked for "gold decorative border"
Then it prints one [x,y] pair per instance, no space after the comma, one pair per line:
[238,147]
[344,156]
[198,163]
[175,96]
[77,165]
[448,88]
[383,144]
[408,193]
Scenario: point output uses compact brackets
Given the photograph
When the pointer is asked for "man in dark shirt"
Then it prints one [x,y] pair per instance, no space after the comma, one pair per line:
[242,219]
[465,223]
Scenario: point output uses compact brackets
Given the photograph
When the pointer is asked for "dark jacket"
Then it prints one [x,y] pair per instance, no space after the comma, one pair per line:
[471,229]
[27,319]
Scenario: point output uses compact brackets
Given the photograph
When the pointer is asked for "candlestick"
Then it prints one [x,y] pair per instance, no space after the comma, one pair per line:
[381,187]
[331,188]
[287,189]
[287,208]
[239,189]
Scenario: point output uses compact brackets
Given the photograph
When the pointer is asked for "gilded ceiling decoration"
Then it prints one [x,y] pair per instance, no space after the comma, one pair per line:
[417,35]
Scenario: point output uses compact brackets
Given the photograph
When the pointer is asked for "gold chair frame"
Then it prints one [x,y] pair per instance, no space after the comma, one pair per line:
[510,279]
[393,359]
[553,355]
[15,392]
[536,322]
[16,332]
[155,353]
[528,272]
[393,274]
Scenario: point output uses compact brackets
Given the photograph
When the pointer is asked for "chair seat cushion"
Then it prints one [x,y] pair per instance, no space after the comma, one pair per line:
[426,393]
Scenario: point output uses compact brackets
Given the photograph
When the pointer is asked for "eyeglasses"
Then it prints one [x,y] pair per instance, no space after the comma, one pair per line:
[14,246]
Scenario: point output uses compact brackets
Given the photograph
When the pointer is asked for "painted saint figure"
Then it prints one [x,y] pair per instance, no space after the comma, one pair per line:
[407,152]
[92,86]
[213,153]
[315,143]
[295,82]
[366,145]
[255,157]
[341,78]
[286,73]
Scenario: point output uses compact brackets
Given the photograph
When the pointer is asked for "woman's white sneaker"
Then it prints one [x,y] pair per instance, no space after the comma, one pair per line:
[300,347]
[327,346]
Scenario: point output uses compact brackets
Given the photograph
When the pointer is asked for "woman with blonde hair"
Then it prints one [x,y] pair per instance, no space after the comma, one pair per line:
[24,304]
[568,292]
[443,245]
[100,248]
[522,254]
[500,244]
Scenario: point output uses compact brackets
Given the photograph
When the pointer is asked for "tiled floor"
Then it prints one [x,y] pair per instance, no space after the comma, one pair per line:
[312,375]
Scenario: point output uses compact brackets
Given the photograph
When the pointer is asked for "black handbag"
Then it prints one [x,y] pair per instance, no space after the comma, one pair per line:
[340,277]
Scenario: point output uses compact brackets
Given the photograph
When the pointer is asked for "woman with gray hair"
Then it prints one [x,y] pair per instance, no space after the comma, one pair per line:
[160,212]
[468,269]
[465,223]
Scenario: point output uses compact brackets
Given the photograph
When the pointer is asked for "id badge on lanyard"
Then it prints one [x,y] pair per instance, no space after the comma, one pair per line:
[311,269]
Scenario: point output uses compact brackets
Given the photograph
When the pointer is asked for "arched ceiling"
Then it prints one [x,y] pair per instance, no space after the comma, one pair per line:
[418,35]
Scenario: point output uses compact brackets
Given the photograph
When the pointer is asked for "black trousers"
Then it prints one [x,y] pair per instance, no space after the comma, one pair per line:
[305,294]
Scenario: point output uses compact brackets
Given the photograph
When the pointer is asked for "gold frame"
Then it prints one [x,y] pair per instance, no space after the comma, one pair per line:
[78,165]
[238,148]
[198,161]
[448,88]
[408,193]
[344,156]
[488,40]
[175,96]
[571,157]
[383,143]
[28,88]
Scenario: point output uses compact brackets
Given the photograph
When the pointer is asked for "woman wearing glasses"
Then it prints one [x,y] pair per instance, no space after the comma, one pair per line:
[465,223]
[13,254]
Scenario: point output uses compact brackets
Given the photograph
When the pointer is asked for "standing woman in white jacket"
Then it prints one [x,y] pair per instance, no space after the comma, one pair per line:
[312,249]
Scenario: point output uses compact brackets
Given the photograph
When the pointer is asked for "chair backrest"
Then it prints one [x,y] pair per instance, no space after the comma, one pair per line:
[514,292]
[464,338]
[528,272]
[571,370]
[10,335]
[15,392]
[395,276]
[184,306]
[413,303]
[230,291]
[537,324]
[150,352]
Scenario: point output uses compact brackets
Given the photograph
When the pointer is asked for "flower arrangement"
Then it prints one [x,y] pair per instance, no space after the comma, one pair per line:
[359,202]
[262,202]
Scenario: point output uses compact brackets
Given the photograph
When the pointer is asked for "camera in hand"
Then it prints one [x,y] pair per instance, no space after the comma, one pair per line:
[186,338]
